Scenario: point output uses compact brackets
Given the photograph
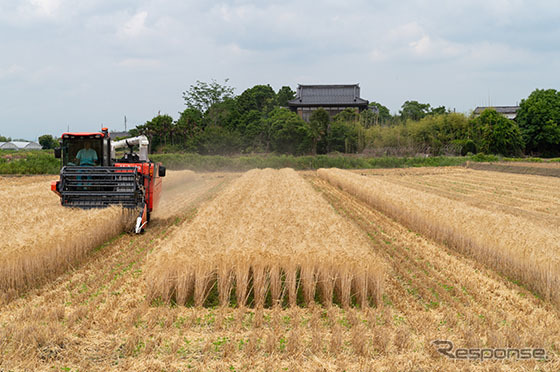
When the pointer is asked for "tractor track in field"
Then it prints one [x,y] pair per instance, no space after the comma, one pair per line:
[443,293]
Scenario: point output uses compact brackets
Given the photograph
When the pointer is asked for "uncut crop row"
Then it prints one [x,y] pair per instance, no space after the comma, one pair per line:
[41,239]
[268,239]
[513,245]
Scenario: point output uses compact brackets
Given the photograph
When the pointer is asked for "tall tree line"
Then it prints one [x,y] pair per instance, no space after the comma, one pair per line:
[216,121]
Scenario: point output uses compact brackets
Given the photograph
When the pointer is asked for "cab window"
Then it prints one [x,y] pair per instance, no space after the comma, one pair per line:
[72,146]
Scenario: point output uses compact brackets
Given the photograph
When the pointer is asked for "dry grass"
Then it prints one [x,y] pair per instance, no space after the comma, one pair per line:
[519,248]
[96,318]
[268,239]
[40,238]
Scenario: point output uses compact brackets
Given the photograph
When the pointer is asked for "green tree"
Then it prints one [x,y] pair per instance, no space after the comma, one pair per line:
[438,134]
[348,114]
[343,136]
[284,95]
[201,96]
[220,141]
[496,134]
[160,131]
[47,142]
[539,120]
[259,97]
[5,139]
[368,118]
[255,134]
[318,125]
[437,110]
[414,110]
[468,146]
[224,114]
[187,129]
[383,116]
[189,123]
[288,132]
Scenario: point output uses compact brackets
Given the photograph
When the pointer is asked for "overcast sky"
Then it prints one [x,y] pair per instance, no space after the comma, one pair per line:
[88,63]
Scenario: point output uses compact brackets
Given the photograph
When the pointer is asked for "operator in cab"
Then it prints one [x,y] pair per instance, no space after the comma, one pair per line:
[87,156]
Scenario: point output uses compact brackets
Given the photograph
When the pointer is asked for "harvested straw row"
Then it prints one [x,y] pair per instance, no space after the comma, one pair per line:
[268,239]
[513,245]
[508,184]
[41,239]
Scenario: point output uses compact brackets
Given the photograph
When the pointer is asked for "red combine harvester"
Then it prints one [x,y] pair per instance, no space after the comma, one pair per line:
[92,177]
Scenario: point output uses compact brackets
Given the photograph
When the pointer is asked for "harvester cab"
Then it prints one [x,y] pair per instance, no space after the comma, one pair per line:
[75,145]
[92,177]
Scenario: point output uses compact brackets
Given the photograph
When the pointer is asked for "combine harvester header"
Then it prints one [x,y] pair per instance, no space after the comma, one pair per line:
[92,177]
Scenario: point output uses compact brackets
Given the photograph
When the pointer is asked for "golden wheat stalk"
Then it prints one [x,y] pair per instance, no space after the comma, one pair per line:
[41,239]
[271,239]
[518,247]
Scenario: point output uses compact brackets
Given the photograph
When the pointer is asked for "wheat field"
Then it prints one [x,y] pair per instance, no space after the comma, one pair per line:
[40,238]
[96,316]
[521,248]
[105,313]
[266,240]
[531,197]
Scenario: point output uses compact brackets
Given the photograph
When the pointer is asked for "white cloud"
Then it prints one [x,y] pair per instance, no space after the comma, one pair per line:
[377,55]
[139,63]
[235,49]
[135,26]
[405,32]
[489,54]
[411,40]
[48,8]
[423,46]
[426,47]
[11,71]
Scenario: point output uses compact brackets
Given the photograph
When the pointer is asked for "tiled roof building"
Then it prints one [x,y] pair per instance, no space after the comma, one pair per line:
[332,98]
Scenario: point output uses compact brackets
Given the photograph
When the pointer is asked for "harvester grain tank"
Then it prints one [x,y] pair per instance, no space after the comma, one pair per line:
[92,177]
